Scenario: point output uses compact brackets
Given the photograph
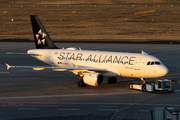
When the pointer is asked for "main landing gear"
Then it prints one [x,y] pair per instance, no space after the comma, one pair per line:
[81,83]
[112,80]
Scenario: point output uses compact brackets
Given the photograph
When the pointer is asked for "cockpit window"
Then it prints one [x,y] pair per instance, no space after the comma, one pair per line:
[157,63]
[153,63]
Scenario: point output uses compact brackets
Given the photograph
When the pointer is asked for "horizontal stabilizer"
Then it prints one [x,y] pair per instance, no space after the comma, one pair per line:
[16,53]
[8,66]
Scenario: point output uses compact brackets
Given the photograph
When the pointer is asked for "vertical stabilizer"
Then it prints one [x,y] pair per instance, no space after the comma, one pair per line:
[41,37]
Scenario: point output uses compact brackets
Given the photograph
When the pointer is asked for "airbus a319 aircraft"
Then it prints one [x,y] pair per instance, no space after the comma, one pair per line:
[91,66]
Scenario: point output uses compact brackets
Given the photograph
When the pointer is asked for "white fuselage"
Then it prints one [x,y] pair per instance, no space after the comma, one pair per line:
[117,63]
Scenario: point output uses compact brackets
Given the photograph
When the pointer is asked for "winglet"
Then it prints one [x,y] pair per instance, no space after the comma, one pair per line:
[8,66]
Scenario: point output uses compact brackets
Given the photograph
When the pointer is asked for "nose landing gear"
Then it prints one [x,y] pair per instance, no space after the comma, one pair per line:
[143,80]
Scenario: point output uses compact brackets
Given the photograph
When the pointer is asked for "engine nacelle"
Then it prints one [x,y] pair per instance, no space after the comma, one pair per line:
[93,79]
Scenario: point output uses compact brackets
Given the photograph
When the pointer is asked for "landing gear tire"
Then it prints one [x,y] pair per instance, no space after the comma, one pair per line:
[144,88]
[81,83]
[112,80]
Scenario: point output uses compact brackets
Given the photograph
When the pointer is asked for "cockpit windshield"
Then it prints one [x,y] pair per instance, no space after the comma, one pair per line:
[153,63]
[157,63]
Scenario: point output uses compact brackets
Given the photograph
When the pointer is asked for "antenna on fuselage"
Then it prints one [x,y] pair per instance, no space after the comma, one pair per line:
[144,53]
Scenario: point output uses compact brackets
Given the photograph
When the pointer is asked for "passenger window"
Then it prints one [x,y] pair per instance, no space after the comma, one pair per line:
[152,63]
[148,63]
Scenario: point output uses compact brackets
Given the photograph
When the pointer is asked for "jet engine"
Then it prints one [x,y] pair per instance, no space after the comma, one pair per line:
[93,79]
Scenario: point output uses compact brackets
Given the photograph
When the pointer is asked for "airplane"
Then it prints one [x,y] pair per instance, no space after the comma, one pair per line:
[91,66]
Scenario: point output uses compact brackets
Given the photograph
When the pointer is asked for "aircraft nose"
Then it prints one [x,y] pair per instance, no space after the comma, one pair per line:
[164,70]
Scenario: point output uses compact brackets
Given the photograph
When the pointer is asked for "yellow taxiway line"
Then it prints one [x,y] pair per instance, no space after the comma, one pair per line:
[4,72]
[140,101]
[145,12]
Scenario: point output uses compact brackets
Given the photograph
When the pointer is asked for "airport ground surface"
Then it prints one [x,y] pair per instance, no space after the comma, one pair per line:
[91,20]
[43,95]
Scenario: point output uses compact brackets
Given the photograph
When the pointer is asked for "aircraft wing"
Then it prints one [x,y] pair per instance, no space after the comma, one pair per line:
[100,70]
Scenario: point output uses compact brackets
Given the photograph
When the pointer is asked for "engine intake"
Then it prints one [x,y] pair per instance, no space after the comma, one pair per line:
[93,79]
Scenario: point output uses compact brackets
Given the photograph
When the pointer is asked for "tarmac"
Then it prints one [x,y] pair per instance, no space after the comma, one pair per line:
[26,94]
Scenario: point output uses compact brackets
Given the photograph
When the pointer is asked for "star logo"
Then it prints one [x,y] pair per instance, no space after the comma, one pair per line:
[41,37]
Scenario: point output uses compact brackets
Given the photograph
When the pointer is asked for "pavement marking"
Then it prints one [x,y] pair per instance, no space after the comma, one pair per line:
[28,108]
[68,109]
[67,95]
[132,105]
[107,106]
[26,97]
[143,110]
[108,109]
[139,101]
[176,85]
[92,94]
[12,103]
[4,72]
[49,104]
[159,104]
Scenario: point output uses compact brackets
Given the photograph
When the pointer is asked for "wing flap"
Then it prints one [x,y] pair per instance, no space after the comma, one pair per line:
[38,68]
